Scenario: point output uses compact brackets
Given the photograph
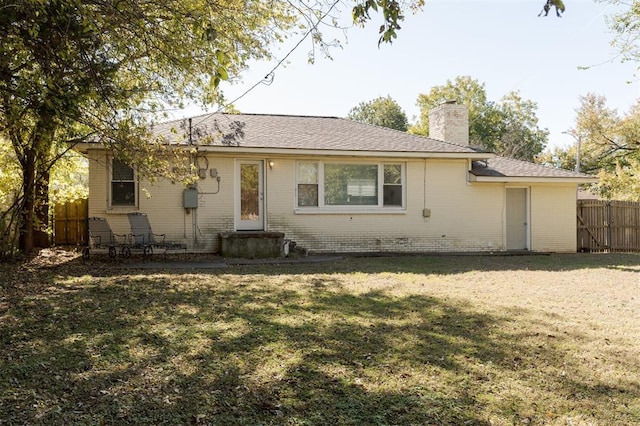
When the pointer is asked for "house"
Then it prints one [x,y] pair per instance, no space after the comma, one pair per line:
[335,185]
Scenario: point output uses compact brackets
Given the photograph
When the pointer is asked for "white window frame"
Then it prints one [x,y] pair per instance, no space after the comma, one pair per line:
[377,208]
[110,187]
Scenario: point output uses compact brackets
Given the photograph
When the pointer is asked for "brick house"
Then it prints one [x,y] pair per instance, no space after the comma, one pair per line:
[334,185]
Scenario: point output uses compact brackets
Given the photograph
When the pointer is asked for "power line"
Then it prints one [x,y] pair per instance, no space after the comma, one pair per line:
[269,77]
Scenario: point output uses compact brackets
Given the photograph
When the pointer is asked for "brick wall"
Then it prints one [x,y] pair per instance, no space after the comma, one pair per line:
[450,123]
[463,216]
[553,218]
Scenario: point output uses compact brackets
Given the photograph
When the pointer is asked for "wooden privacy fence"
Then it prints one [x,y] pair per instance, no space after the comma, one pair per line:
[608,226]
[70,223]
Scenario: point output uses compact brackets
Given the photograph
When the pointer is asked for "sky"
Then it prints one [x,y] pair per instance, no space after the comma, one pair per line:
[503,44]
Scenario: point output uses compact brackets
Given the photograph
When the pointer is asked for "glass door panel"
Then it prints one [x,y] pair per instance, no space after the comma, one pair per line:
[250,199]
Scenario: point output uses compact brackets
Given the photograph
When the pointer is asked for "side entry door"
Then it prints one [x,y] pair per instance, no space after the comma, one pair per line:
[517,226]
[249,202]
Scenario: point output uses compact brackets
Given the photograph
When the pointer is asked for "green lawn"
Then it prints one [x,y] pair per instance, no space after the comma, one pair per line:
[443,340]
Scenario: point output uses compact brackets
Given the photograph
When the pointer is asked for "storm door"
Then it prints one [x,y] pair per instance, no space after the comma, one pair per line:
[249,196]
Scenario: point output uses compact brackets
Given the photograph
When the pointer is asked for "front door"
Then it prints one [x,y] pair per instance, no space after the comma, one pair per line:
[249,196]
[517,219]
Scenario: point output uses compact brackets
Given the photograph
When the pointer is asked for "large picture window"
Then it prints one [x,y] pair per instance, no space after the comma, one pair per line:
[123,184]
[340,185]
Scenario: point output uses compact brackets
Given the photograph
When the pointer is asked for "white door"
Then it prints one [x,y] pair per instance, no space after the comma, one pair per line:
[517,219]
[249,196]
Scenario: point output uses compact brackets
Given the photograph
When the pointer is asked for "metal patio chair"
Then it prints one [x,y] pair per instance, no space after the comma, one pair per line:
[143,236]
[102,240]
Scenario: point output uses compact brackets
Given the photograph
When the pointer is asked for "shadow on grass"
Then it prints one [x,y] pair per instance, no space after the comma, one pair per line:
[144,351]
[226,350]
[418,264]
[427,264]
[456,264]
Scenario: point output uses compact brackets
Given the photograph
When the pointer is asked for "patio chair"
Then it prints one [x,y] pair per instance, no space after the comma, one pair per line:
[102,240]
[143,236]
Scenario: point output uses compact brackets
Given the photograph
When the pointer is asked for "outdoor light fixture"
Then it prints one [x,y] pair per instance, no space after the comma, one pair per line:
[271,164]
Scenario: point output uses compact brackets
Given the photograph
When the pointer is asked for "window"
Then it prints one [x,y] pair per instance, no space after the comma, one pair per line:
[307,184]
[392,185]
[123,185]
[351,184]
[339,185]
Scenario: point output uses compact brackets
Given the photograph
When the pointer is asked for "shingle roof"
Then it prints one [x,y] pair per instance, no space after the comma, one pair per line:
[300,132]
[266,131]
[509,167]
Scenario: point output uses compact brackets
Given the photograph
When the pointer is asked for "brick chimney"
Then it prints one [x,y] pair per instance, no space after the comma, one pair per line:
[449,122]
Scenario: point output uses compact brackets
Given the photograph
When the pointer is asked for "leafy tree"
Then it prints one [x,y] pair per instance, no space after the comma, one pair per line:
[9,176]
[382,111]
[392,12]
[9,190]
[75,70]
[519,134]
[597,126]
[69,179]
[609,147]
[623,183]
[613,144]
[606,138]
[625,25]
[69,182]
[508,127]
[593,121]
[560,157]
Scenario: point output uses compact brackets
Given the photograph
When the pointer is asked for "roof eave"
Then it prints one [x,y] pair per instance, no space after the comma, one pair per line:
[86,146]
[532,179]
[346,153]
[83,147]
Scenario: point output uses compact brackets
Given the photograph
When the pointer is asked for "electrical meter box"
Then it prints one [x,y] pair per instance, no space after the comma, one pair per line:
[190,198]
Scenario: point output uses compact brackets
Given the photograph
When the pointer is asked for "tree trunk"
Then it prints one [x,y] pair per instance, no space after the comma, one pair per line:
[41,232]
[35,186]
[27,218]
[35,211]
